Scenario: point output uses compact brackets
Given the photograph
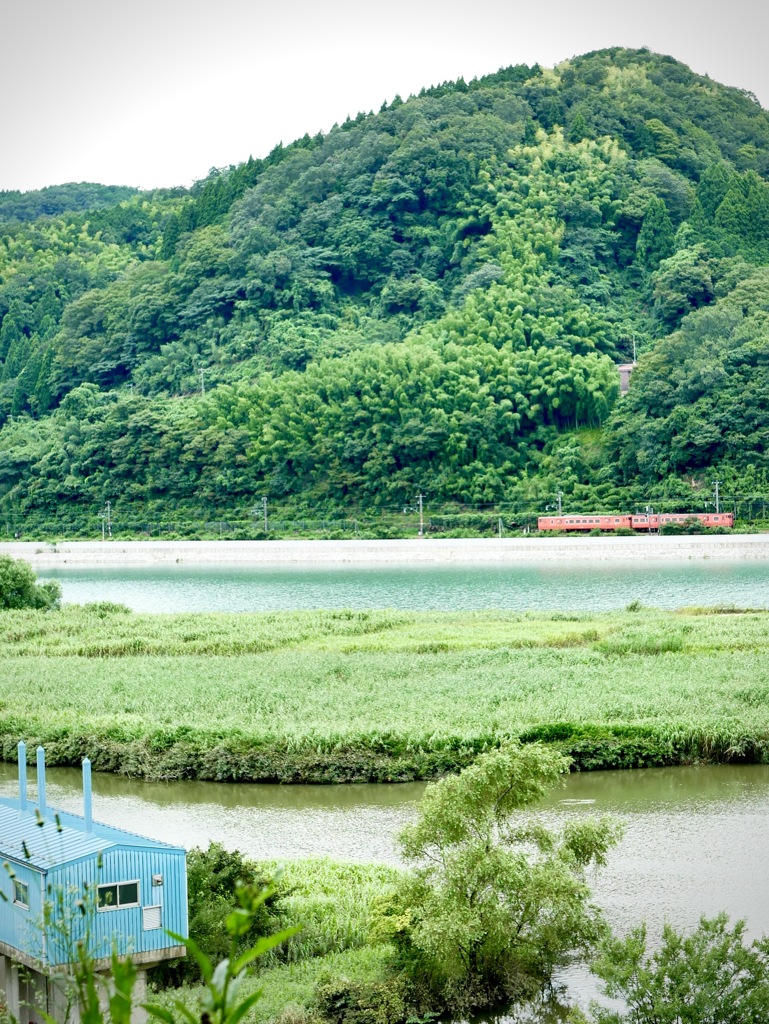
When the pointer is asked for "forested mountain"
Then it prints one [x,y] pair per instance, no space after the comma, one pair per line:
[57,199]
[432,297]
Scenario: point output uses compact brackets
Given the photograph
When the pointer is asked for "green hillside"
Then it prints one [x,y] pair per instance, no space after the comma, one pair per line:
[431,298]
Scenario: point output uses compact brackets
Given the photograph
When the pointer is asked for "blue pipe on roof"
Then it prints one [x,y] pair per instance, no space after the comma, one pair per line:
[22,775]
[87,814]
[41,805]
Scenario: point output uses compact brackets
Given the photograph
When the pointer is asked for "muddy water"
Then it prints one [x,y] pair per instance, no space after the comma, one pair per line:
[696,840]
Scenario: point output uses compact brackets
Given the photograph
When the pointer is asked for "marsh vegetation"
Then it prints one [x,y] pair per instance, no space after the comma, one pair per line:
[380,696]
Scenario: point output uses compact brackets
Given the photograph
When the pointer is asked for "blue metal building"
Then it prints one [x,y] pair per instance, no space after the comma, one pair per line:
[67,879]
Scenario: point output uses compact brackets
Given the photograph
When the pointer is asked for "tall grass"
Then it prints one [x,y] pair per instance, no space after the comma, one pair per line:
[333,903]
[329,696]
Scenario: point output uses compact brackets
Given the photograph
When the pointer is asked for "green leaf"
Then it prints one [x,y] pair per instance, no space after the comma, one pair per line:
[243,1007]
[262,946]
[159,1013]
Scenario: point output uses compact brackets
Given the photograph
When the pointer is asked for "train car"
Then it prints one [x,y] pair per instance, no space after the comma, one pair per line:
[589,522]
[708,519]
[643,523]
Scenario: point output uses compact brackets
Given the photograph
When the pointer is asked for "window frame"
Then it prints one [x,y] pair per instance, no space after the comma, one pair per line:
[118,885]
[18,886]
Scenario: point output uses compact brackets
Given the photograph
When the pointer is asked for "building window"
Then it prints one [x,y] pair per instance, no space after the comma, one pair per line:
[21,894]
[120,894]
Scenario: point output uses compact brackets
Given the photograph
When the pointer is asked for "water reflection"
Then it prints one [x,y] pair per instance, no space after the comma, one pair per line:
[353,822]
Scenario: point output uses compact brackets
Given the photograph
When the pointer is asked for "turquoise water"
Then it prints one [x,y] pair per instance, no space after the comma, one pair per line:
[594,587]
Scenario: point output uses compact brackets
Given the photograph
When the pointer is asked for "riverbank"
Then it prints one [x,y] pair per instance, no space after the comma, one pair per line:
[379,696]
[424,551]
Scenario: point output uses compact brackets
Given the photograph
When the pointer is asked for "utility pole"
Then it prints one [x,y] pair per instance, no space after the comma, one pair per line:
[108,514]
[560,495]
[500,527]
[421,515]
[264,511]
[717,508]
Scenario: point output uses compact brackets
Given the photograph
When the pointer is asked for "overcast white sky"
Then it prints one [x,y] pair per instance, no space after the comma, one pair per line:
[156,92]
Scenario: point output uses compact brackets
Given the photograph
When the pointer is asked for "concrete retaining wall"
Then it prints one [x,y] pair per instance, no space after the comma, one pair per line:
[113,554]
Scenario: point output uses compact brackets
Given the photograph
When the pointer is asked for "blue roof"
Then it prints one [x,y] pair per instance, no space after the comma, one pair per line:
[50,844]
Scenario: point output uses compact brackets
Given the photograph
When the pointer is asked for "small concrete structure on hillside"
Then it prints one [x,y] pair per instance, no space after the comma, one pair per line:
[70,879]
[624,370]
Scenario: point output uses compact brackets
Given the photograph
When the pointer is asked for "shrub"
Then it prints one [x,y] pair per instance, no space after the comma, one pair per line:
[214,877]
[372,1002]
[712,975]
[494,902]
[19,587]
[103,609]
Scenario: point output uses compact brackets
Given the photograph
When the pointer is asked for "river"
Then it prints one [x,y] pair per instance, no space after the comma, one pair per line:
[546,586]
[695,840]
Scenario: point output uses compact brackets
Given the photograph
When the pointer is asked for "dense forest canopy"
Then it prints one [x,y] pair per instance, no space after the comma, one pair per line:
[431,297]
[57,199]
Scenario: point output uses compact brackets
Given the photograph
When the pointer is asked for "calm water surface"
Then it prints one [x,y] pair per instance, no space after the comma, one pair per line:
[596,587]
[696,839]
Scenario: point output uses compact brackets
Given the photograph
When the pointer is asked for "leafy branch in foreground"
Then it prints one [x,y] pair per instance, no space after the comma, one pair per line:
[712,976]
[222,1002]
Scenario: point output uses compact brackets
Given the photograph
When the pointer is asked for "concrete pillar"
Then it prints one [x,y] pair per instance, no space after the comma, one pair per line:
[138,1013]
[5,978]
[33,996]
[12,992]
[61,1000]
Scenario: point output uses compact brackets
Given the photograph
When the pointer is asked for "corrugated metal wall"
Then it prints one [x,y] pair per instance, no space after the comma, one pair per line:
[121,928]
[20,928]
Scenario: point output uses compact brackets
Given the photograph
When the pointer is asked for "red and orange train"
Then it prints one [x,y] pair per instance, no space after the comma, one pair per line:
[649,522]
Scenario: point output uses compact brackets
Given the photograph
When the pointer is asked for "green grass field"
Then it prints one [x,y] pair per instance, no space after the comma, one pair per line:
[337,696]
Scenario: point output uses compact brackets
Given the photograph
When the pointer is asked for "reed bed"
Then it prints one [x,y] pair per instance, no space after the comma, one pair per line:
[379,696]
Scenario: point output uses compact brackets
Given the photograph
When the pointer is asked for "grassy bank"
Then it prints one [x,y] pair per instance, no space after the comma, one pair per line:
[342,696]
[333,904]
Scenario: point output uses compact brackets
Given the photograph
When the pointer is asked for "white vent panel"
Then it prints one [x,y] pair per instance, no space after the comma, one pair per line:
[151,918]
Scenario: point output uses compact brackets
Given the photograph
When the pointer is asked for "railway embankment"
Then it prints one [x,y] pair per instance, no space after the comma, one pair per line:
[418,551]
